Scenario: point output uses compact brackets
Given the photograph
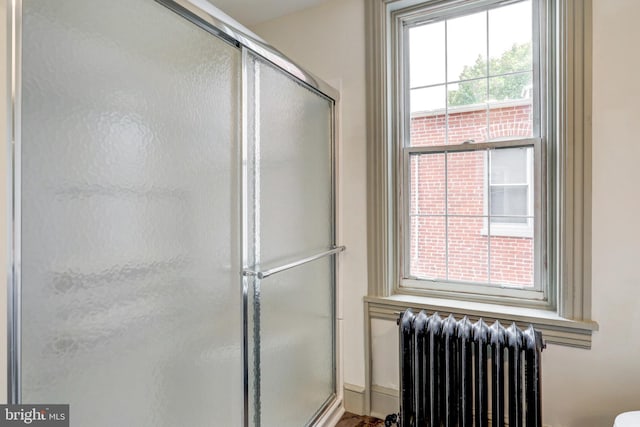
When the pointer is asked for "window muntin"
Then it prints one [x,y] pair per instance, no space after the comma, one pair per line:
[472,150]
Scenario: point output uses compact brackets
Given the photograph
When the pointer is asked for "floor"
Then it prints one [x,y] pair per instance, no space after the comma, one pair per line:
[353,420]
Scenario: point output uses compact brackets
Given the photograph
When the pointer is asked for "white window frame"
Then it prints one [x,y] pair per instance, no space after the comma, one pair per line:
[401,21]
[505,229]
[564,315]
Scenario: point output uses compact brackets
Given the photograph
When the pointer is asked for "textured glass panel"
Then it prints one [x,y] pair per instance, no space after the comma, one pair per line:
[289,217]
[427,54]
[130,300]
[294,328]
[290,166]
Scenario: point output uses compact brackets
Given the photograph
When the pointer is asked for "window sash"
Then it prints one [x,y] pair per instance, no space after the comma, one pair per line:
[411,284]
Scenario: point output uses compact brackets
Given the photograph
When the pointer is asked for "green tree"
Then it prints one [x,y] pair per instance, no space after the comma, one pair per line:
[518,58]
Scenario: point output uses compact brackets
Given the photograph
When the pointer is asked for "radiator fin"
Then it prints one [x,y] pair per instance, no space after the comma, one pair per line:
[447,367]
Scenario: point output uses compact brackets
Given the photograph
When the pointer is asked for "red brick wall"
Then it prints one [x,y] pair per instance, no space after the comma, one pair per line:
[466,253]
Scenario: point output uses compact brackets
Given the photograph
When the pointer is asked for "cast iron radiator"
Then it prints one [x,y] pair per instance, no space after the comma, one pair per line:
[448,366]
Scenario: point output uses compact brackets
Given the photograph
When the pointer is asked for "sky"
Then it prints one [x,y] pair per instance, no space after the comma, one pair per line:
[466,39]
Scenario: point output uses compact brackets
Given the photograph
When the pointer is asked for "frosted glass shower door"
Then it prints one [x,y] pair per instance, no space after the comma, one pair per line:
[131,302]
[289,227]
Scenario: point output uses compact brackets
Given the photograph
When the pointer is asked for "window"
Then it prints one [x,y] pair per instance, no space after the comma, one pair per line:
[511,192]
[472,139]
[479,160]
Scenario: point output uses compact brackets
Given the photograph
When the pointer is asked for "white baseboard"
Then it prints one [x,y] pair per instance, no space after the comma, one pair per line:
[354,399]
[384,401]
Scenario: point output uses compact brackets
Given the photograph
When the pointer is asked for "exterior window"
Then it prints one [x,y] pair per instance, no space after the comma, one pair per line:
[472,148]
[510,189]
[479,161]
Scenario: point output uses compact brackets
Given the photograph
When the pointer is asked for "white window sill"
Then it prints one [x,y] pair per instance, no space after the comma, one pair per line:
[508,230]
[555,329]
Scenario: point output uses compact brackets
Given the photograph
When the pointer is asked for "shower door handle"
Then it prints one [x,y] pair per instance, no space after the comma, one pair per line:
[266,273]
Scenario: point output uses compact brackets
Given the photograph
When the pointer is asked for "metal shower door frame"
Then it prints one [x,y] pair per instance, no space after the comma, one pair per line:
[209,19]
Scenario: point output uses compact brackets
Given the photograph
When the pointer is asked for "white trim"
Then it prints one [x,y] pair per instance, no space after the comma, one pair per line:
[332,415]
[384,401]
[469,291]
[555,329]
[397,99]
[568,252]
[505,229]
[354,399]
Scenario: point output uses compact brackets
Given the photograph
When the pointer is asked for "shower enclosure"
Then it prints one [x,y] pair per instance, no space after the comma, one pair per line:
[173,254]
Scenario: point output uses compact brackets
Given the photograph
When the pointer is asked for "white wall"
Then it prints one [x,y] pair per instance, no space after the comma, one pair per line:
[581,388]
[329,40]
[587,388]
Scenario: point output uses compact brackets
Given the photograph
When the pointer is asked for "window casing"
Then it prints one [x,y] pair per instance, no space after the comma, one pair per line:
[564,314]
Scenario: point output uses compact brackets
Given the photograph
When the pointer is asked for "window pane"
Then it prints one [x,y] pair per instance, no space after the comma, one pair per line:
[466,180]
[509,165]
[513,87]
[466,94]
[510,185]
[510,106]
[428,248]
[467,47]
[428,100]
[467,250]
[467,112]
[428,119]
[510,38]
[427,54]
[511,260]
[509,201]
[427,184]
